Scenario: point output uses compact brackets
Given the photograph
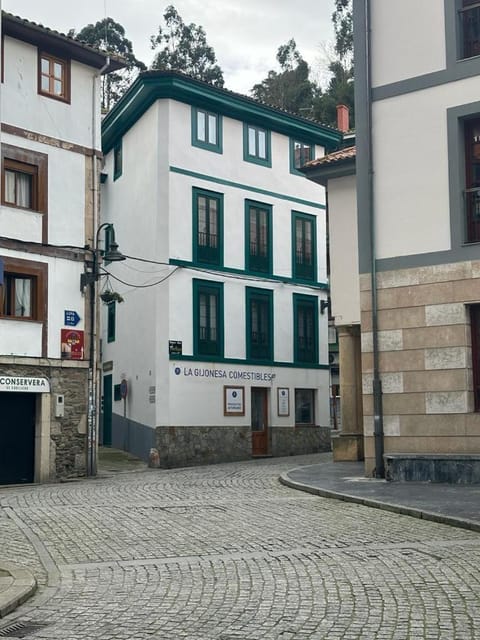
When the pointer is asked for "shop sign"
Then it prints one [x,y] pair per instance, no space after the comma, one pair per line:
[25,384]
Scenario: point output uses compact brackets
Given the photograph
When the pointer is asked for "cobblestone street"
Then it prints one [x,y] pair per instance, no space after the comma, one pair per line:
[226,552]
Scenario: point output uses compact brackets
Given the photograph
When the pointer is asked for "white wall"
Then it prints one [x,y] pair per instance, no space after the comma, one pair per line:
[408,39]
[411,168]
[22,106]
[343,239]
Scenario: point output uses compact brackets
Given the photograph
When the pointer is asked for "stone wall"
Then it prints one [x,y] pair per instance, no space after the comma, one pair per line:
[294,441]
[68,455]
[425,359]
[188,446]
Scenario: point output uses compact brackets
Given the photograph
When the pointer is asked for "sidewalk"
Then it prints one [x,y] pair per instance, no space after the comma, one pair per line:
[16,585]
[457,505]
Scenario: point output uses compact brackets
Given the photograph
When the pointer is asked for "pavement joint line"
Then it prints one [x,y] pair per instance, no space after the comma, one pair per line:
[462,523]
[420,547]
[45,558]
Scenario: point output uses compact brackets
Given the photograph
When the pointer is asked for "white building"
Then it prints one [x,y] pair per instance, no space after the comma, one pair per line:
[222,337]
[417,198]
[50,146]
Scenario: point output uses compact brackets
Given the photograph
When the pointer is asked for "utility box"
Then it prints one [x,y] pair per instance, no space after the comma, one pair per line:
[60,406]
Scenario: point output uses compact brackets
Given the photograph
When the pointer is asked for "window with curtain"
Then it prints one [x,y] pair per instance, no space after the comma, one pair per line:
[16,296]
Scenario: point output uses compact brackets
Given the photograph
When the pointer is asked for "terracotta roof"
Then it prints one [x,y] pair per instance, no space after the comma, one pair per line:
[331,158]
[38,34]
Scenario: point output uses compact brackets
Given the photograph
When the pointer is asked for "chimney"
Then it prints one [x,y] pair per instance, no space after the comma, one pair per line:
[343,118]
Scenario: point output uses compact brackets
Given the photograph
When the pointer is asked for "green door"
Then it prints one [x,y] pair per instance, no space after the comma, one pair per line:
[107,411]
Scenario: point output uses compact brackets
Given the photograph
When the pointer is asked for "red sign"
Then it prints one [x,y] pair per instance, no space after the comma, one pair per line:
[72,344]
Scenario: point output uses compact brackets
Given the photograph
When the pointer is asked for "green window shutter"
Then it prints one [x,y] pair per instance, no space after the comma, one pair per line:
[207,130]
[304,247]
[208,318]
[300,154]
[257,145]
[258,238]
[207,227]
[259,324]
[305,324]
[111,321]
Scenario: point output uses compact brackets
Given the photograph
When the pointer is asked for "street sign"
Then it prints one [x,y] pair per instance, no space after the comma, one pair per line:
[71,318]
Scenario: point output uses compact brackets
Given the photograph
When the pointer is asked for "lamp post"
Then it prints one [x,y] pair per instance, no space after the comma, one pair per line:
[90,278]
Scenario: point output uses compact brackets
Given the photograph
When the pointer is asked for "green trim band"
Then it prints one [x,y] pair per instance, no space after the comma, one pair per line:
[238,185]
[323,286]
[252,363]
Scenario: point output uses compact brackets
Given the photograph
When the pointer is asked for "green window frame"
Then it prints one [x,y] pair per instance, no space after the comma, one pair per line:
[117,160]
[258,238]
[207,130]
[111,321]
[259,324]
[305,328]
[300,154]
[304,246]
[207,227]
[208,319]
[257,145]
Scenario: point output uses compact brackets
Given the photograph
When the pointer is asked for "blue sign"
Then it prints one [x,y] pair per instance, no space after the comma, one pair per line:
[71,318]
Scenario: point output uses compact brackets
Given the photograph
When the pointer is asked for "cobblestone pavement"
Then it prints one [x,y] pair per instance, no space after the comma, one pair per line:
[225,552]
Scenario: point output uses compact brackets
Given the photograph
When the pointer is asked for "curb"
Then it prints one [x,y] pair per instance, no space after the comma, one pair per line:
[461,523]
[20,585]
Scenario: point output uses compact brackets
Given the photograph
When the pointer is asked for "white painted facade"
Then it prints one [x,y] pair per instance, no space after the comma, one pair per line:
[57,141]
[150,205]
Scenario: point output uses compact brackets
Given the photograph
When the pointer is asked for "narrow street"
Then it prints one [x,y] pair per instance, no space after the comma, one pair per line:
[226,552]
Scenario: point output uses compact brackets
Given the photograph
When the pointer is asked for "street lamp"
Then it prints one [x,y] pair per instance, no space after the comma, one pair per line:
[90,278]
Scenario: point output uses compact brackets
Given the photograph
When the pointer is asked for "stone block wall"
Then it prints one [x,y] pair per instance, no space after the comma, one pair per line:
[294,441]
[189,446]
[425,359]
[68,434]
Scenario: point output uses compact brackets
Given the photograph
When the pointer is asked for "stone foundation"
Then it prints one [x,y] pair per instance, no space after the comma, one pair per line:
[189,446]
[347,447]
[61,450]
[295,441]
[456,469]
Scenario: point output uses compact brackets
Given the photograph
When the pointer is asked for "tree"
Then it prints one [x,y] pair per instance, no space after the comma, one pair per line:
[109,36]
[343,27]
[340,89]
[291,88]
[184,47]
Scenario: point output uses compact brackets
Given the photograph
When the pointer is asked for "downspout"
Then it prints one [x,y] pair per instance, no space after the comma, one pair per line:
[377,383]
[93,371]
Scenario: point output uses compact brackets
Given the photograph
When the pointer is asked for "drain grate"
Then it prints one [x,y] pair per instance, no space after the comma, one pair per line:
[21,629]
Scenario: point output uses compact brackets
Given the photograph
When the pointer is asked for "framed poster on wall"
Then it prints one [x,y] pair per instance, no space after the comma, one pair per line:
[233,401]
[283,401]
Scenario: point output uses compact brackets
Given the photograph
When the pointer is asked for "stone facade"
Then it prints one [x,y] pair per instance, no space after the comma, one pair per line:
[425,360]
[294,441]
[63,452]
[188,446]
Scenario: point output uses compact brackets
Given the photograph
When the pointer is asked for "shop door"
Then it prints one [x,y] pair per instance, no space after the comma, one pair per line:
[259,421]
[17,437]
[107,410]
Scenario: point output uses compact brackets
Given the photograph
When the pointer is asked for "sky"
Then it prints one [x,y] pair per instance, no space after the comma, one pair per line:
[245,34]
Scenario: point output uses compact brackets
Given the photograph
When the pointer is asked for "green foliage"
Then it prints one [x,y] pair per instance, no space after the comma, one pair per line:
[183,47]
[109,36]
[290,89]
[343,26]
[340,90]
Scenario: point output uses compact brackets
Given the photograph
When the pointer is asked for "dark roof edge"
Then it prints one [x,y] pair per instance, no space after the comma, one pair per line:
[152,85]
[63,45]
[321,174]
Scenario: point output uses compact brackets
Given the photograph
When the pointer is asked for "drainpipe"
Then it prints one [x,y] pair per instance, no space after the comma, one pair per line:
[377,383]
[93,372]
